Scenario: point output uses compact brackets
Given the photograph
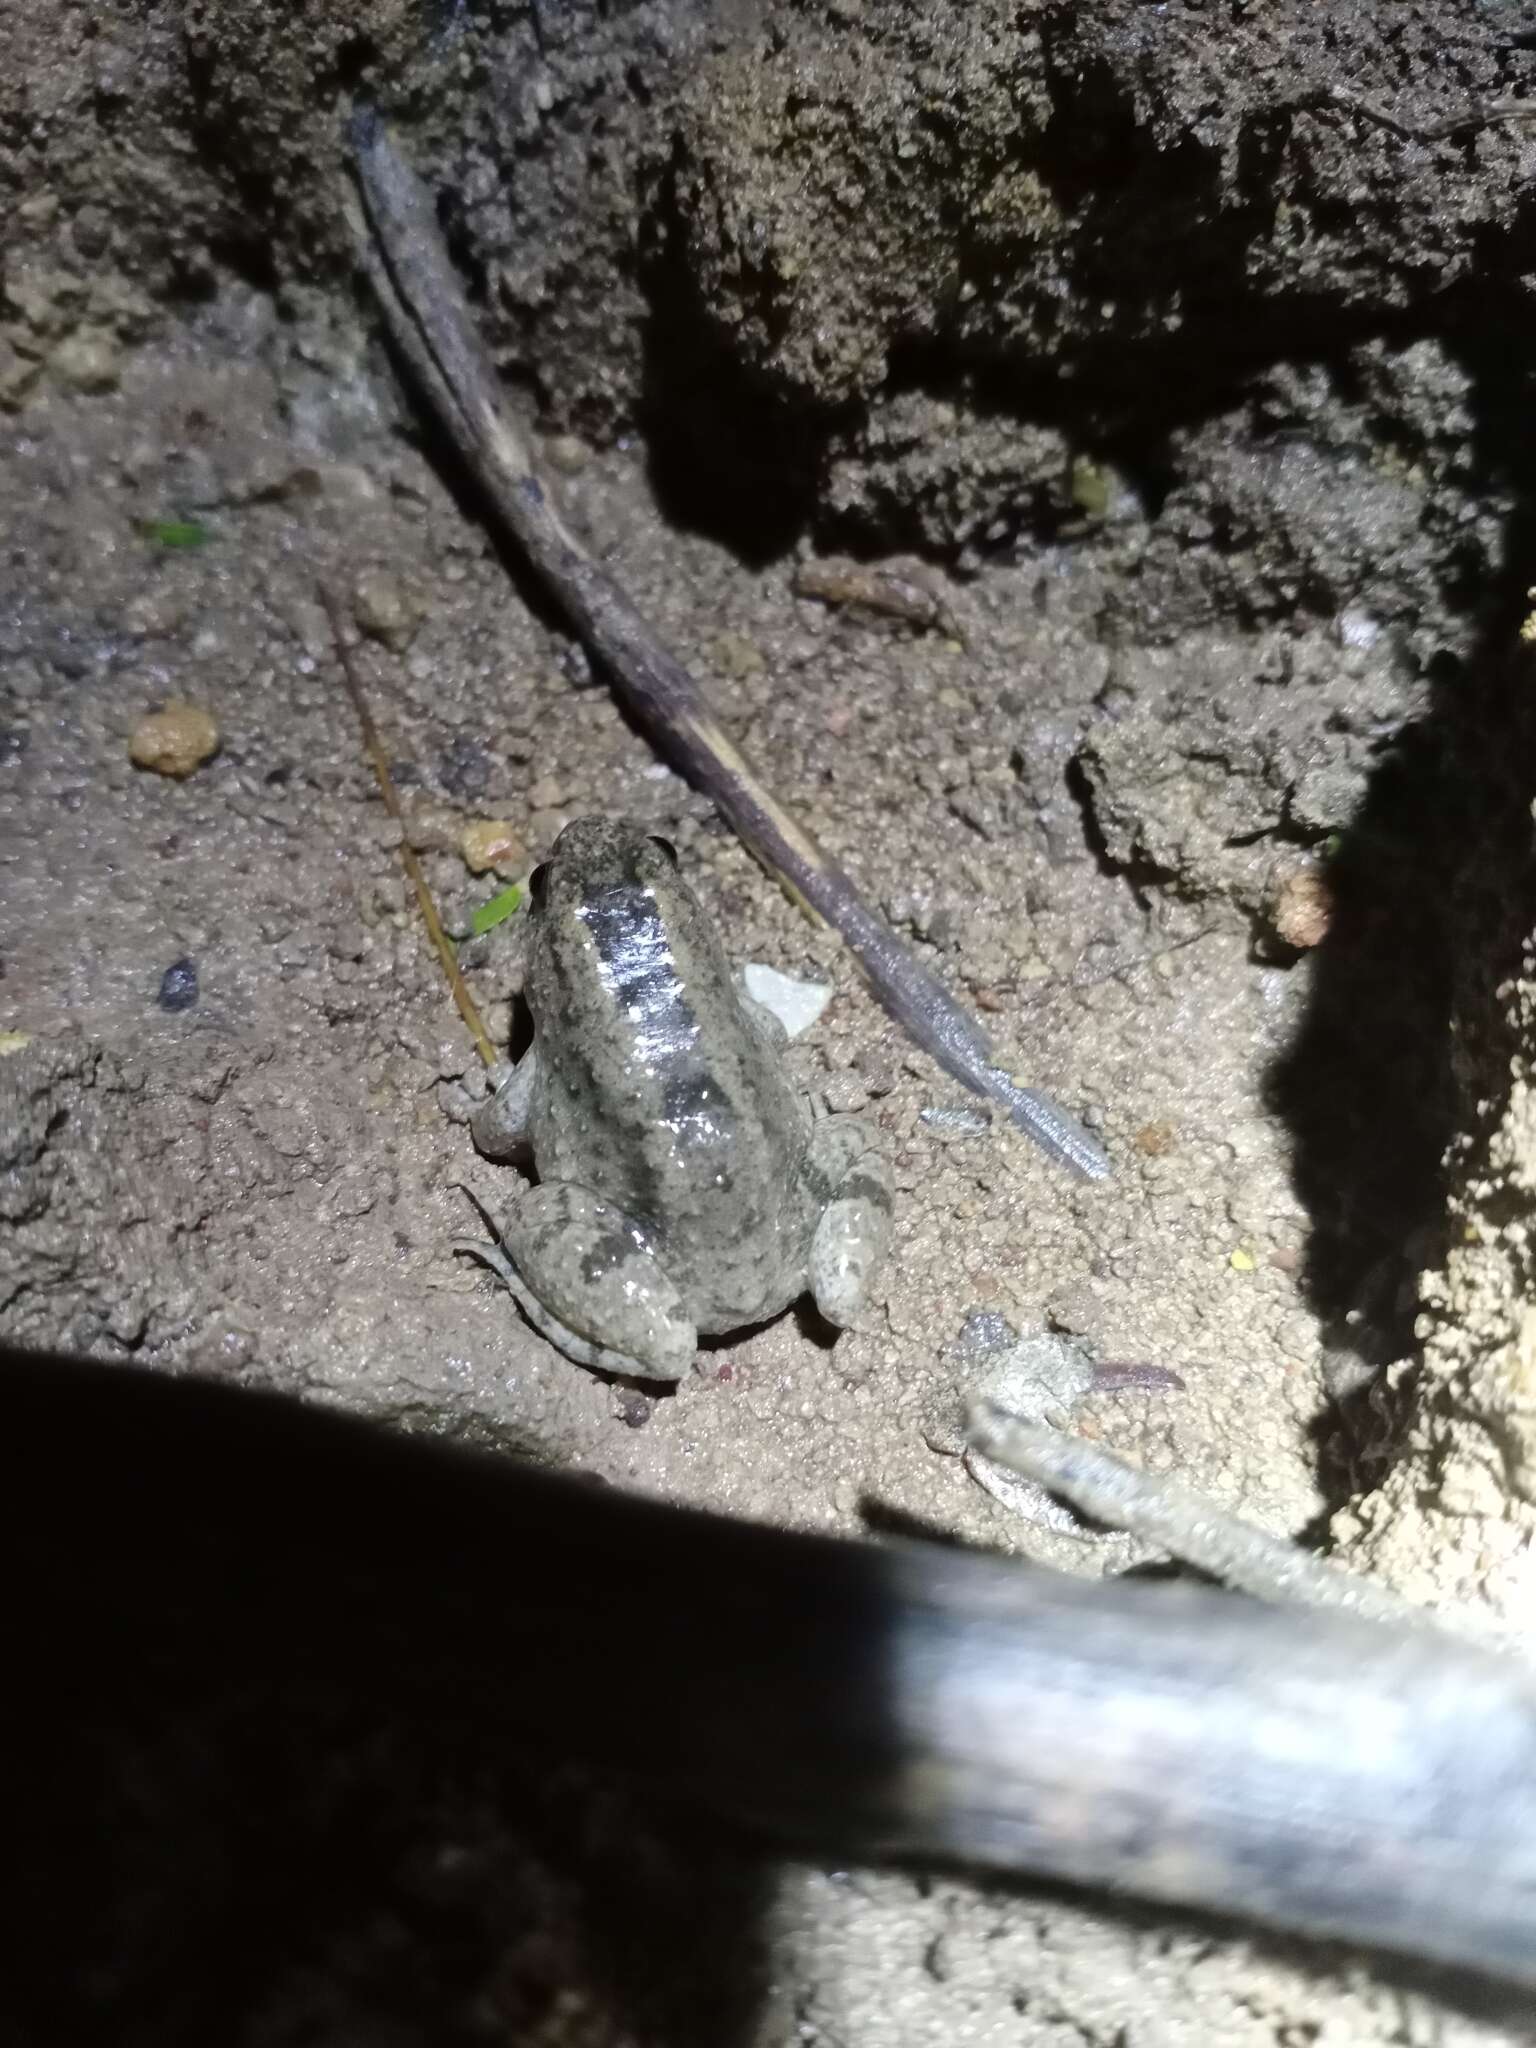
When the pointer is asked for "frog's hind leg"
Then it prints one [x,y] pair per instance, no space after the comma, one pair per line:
[853,1232]
[583,1275]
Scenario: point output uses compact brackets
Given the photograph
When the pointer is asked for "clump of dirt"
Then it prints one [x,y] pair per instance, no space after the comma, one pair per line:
[1197,379]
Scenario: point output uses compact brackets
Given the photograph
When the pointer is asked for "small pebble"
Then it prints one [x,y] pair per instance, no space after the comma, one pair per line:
[385,609]
[13,1041]
[88,360]
[1155,1140]
[1300,908]
[464,767]
[178,985]
[567,454]
[489,843]
[175,740]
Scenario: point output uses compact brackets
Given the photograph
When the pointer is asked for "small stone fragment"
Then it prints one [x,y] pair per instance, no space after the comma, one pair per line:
[1300,906]
[489,843]
[797,1004]
[88,360]
[13,1041]
[385,609]
[178,985]
[175,740]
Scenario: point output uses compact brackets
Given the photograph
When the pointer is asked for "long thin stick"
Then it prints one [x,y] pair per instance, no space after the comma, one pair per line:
[403,256]
[374,748]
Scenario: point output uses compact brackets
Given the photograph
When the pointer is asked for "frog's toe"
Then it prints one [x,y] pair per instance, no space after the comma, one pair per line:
[852,1236]
[587,1279]
[490,1255]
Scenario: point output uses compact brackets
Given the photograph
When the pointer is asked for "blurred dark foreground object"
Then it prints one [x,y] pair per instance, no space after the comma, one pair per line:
[171,1541]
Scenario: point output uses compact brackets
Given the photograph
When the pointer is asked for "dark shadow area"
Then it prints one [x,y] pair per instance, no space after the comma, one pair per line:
[270,1780]
[730,456]
[286,1865]
[319,1734]
[885,1518]
[1403,1044]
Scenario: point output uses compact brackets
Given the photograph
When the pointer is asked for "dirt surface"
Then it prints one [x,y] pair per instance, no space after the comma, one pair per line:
[1204,399]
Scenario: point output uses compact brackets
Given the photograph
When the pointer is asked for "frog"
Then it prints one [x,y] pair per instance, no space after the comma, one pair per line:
[684,1186]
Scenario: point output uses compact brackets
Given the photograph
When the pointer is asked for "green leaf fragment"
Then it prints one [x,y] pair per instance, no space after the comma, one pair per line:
[175,533]
[495,910]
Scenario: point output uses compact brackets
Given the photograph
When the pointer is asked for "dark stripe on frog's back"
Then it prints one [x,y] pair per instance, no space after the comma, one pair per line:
[714,1251]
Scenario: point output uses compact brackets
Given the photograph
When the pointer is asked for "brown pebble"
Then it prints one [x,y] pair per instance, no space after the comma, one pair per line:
[1300,906]
[491,843]
[1154,1140]
[175,740]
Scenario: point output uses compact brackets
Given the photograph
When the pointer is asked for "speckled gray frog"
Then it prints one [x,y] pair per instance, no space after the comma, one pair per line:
[684,1187]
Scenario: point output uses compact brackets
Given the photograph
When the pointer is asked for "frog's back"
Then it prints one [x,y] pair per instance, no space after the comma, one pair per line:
[656,1092]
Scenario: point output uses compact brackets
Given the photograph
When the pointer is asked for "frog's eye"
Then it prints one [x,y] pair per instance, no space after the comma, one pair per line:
[538,885]
[666,846]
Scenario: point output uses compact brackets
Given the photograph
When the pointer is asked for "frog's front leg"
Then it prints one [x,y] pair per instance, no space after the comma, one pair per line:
[499,1126]
[582,1273]
[852,1178]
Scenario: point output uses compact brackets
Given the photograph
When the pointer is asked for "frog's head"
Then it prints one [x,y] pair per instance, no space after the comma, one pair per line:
[596,857]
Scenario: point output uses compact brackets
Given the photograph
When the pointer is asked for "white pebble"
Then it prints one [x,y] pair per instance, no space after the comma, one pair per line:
[796,1004]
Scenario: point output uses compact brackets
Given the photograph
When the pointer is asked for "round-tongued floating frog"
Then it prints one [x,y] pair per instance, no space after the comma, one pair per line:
[684,1187]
